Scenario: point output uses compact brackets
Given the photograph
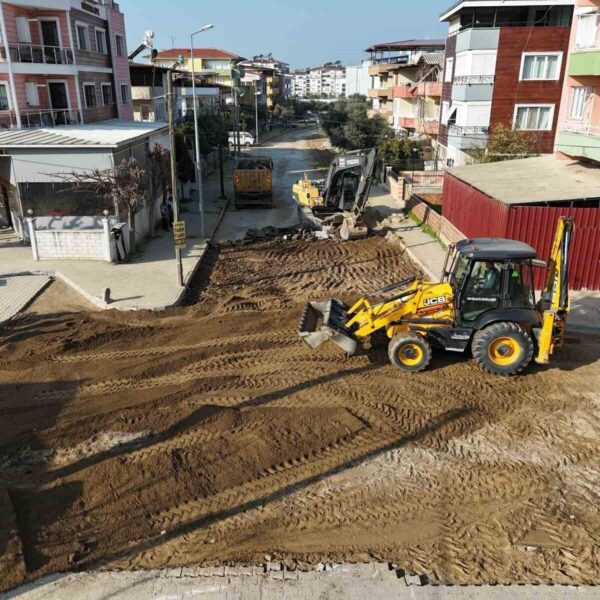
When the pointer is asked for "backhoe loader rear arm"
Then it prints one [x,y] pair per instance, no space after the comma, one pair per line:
[555,297]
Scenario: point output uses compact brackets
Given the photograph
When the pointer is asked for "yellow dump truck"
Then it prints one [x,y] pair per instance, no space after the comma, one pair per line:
[253,182]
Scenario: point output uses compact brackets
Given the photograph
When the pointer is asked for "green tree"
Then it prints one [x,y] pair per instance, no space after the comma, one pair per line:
[349,126]
[505,143]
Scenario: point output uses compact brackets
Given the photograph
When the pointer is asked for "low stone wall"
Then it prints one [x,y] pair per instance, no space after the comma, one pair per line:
[443,228]
[406,194]
[75,244]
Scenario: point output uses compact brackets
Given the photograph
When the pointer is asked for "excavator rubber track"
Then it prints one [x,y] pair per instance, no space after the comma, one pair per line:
[326,321]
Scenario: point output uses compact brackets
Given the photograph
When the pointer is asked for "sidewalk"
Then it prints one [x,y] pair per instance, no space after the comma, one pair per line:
[337,582]
[149,281]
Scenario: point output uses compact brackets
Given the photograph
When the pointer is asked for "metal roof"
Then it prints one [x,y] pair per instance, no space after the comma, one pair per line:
[433,59]
[408,45]
[198,53]
[457,6]
[495,249]
[107,134]
[537,180]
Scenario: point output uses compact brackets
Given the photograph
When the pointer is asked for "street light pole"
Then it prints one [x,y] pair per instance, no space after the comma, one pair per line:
[196,134]
[174,189]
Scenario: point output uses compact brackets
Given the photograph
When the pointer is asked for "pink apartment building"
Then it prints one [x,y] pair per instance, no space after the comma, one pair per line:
[578,134]
[62,62]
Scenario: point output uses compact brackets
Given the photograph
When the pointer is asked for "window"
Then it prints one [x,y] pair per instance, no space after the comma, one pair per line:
[541,66]
[587,28]
[579,99]
[448,71]
[101,41]
[89,92]
[83,37]
[31,94]
[124,93]
[4,99]
[445,111]
[529,117]
[120,45]
[145,112]
[107,95]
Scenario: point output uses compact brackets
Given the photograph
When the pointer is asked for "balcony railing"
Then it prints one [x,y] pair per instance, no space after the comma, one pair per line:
[582,127]
[472,79]
[463,130]
[44,117]
[583,46]
[28,53]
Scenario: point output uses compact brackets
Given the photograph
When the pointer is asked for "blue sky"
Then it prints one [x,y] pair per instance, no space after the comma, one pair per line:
[301,32]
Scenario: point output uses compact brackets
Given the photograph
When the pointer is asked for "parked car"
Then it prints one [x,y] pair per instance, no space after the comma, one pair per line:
[246,139]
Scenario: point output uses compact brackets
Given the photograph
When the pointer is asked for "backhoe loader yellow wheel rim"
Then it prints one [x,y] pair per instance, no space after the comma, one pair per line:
[410,355]
[504,351]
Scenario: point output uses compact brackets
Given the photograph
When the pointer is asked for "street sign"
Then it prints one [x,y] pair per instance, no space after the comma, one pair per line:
[179,234]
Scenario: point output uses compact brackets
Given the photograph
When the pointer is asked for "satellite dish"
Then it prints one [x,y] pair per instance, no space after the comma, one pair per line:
[148,38]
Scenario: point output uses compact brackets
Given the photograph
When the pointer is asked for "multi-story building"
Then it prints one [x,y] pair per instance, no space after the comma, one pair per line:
[62,62]
[326,81]
[358,80]
[578,133]
[416,96]
[394,71]
[505,63]
[214,64]
[266,76]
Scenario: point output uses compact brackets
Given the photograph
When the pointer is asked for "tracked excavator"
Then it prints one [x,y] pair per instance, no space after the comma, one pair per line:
[339,200]
[485,302]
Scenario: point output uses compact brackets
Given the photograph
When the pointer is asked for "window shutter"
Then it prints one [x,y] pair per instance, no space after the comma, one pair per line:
[23,30]
[31,93]
[92,38]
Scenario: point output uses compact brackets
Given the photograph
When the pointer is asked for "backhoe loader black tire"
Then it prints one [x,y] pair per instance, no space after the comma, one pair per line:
[409,352]
[502,348]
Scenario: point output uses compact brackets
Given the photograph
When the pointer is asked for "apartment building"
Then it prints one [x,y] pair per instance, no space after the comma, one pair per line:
[395,69]
[267,76]
[62,62]
[505,63]
[325,81]
[358,80]
[578,134]
[214,64]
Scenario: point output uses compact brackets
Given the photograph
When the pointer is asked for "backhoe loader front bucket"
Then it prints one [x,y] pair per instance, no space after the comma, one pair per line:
[323,321]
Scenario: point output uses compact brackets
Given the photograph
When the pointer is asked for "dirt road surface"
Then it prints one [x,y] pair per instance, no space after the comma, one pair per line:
[299,151]
[210,434]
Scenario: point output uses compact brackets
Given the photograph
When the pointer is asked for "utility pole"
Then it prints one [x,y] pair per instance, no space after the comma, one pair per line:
[221,173]
[256,94]
[174,190]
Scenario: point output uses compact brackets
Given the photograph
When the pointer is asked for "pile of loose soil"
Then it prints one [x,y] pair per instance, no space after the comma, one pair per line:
[211,434]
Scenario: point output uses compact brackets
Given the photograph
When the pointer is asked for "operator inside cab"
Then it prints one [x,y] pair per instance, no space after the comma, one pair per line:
[491,278]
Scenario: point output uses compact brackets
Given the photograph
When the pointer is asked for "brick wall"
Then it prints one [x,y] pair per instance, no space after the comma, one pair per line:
[443,228]
[508,90]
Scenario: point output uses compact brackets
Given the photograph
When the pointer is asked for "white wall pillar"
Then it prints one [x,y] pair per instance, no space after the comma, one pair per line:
[32,238]
[106,239]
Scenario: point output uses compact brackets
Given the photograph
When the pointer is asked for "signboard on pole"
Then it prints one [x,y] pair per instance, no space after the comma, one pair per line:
[179,234]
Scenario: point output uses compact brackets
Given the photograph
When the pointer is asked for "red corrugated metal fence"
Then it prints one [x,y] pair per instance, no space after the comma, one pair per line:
[536,226]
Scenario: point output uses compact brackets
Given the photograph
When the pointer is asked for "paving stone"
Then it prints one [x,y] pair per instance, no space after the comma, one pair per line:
[17,291]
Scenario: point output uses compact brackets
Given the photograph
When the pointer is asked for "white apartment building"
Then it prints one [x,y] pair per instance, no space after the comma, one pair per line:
[326,81]
[358,80]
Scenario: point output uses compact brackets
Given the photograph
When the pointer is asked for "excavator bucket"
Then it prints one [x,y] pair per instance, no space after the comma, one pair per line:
[323,321]
[352,230]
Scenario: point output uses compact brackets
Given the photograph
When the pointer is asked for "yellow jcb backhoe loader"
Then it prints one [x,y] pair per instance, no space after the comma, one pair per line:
[485,302]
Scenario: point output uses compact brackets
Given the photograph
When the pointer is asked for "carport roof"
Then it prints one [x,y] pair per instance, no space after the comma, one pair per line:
[538,180]
[106,134]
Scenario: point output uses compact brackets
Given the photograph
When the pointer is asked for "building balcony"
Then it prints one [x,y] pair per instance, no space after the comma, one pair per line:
[403,91]
[43,117]
[381,68]
[406,122]
[472,92]
[29,53]
[478,39]
[380,93]
[585,61]
[579,138]
[428,127]
[433,89]
[469,136]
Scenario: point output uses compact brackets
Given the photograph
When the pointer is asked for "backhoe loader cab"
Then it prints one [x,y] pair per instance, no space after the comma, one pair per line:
[485,302]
